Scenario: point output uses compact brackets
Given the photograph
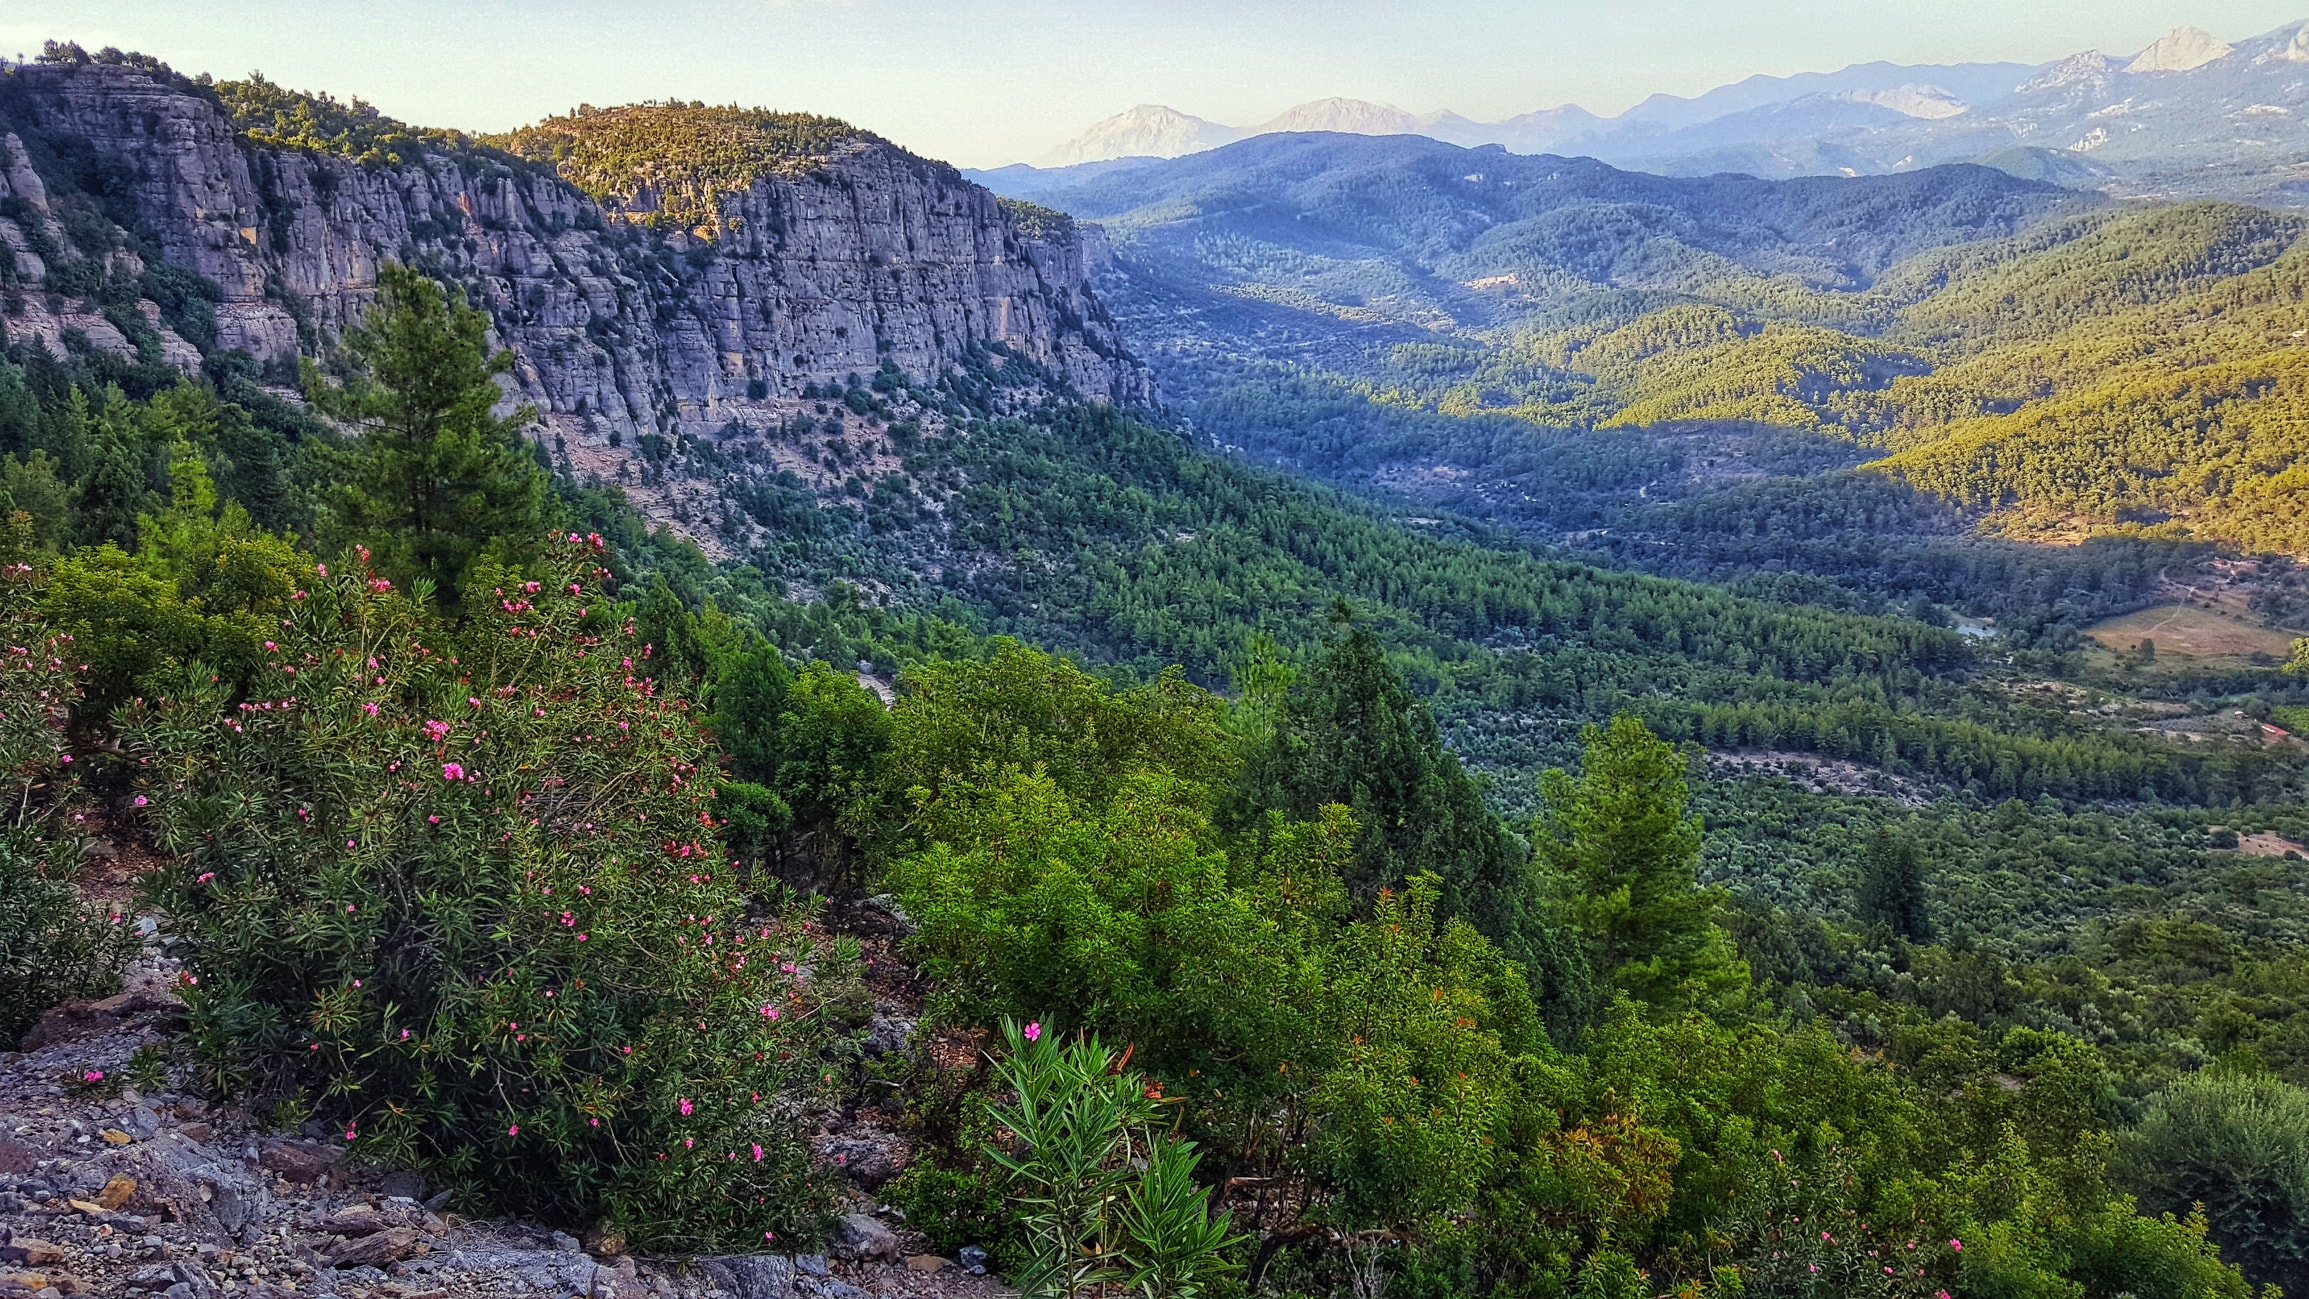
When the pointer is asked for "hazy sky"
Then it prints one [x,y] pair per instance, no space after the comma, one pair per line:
[981,82]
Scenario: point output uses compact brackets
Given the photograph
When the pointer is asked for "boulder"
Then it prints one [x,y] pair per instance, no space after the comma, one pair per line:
[302,1162]
[751,1276]
[858,1236]
[76,1020]
[379,1249]
[867,1156]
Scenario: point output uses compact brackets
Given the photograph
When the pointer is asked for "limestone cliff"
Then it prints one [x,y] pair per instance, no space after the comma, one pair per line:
[868,254]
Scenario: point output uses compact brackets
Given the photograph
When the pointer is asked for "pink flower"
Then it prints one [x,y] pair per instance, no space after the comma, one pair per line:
[513,1131]
[140,800]
[770,1011]
[757,1152]
[1956,1244]
[370,709]
[685,1107]
[93,1075]
[452,771]
[1033,1030]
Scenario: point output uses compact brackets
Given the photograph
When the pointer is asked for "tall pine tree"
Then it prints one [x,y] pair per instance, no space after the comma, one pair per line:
[1348,730]
[1621,847]
[436,479]
[1892,887]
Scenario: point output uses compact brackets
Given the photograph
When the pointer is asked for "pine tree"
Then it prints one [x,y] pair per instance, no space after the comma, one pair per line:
[112,498]
[436,479]
[1619,843]
[1348,731]
[1892,887]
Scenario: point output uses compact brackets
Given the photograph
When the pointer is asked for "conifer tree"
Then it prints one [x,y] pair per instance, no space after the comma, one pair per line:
[111,499]
[1892,887]
[436,478]
[1618,840]
[1350,731]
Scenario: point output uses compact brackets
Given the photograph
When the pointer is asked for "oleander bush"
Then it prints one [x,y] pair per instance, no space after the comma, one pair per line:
[462,893]
[52,947]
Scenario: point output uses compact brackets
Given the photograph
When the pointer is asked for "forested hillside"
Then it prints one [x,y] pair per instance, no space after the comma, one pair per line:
[1620,363]
[1212,881]
[1295,900]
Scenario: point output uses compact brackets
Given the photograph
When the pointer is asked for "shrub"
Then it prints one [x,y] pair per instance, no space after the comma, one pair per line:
[2237,1144]
[1107,1198]
[463,895]
[52,948]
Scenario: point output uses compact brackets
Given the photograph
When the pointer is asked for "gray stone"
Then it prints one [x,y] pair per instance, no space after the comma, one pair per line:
[302,1162]
[232,1209]
[867,1156]
[858,1236]
[751,1276]
[377,1249]
[889,1034]
[972,1259]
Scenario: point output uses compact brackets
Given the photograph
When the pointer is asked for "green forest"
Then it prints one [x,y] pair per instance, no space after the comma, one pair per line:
[1303,895]
[1627,1030]
[1615,363]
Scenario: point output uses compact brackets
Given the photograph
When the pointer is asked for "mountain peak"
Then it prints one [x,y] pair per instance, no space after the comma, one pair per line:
[2180,50]
[1147,131]
[1347,116]
[2092,65]
[1928,102]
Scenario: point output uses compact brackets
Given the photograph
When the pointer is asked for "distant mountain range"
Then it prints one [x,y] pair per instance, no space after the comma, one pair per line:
[2189,115]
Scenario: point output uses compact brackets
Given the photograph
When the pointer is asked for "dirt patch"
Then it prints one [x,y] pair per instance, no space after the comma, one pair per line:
[2194,632]
[2268,843]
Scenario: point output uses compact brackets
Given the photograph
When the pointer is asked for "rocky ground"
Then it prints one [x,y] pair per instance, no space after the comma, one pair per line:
[109,1188]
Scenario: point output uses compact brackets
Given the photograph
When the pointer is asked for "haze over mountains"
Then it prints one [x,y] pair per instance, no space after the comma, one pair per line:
[2189,115]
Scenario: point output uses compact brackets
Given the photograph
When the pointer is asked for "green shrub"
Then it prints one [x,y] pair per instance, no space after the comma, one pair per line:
[1107,1198]
[52,947]
[465,895]
[2237,1144]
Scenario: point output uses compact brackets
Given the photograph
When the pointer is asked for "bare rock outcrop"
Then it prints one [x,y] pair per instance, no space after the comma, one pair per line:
[873,254]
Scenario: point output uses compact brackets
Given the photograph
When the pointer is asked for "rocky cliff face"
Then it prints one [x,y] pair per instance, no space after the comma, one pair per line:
[872,255]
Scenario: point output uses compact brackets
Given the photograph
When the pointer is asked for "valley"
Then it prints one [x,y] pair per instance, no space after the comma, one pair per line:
[1527,703]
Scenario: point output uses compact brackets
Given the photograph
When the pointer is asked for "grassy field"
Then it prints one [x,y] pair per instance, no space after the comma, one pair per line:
[2201,635]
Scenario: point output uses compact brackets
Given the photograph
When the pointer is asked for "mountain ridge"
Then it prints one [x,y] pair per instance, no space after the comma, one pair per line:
[753,283]
[2190,115]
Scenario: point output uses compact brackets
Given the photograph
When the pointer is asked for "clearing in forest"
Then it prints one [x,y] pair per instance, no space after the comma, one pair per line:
[2187,631]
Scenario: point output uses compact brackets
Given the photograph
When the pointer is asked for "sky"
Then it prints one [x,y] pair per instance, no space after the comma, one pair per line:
[993,81]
